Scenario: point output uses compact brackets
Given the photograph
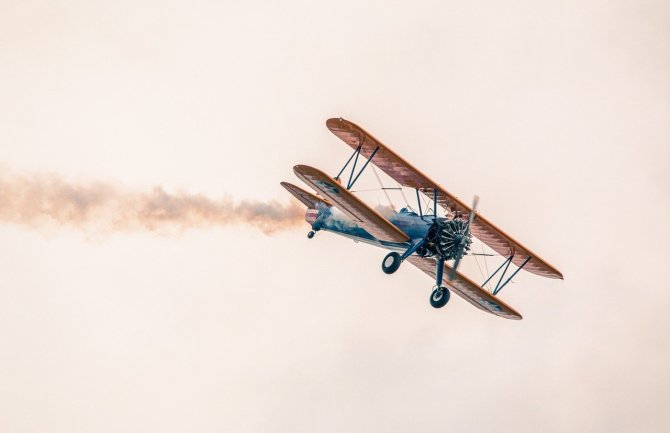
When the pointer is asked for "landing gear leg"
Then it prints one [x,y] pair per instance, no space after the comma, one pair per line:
[441,294]
[393,260]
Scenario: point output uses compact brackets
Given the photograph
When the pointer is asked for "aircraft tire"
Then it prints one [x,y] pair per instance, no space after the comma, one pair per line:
[440,297]
[391,263]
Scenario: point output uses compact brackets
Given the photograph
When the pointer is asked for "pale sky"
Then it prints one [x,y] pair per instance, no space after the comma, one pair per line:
[557,114]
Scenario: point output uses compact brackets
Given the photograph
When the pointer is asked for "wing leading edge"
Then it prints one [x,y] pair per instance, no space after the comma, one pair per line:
[409,176]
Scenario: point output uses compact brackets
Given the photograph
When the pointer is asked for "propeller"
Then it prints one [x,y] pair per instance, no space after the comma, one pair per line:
[463,241]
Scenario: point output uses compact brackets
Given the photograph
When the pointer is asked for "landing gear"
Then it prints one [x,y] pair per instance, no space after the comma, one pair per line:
[439,297]
[391,263]
[311,234]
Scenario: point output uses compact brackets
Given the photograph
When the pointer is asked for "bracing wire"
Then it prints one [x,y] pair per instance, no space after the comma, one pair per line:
[403,195]
[426,204]
[479,267]
[374,170]
[486,265]
[372,189]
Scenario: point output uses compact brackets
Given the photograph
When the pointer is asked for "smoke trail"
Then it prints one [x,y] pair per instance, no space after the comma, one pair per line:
[46,200]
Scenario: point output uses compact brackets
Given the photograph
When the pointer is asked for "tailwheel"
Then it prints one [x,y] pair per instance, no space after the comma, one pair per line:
[391,263]
[439,297]
[311,234]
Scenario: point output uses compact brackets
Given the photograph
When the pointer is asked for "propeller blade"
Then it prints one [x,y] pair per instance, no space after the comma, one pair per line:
[452,271]
[475,201]
[463,247]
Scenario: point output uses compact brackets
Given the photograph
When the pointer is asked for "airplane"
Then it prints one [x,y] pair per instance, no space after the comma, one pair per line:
[420,237]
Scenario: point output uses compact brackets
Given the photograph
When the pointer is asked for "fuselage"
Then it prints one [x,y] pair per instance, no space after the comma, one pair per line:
[329,219]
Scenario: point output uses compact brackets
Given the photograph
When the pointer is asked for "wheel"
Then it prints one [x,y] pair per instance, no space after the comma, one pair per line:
[439,297]
[311,234]
[391,263]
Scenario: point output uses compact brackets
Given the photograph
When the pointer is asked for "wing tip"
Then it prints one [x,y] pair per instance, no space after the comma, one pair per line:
[556,275]
[334,121]
[509,312]
[336,124]
[288,186]
[300,168]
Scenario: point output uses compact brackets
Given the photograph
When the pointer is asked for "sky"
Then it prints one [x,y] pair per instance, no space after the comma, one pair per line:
[556,114]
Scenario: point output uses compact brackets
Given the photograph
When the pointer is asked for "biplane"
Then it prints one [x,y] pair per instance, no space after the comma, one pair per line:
[434,244]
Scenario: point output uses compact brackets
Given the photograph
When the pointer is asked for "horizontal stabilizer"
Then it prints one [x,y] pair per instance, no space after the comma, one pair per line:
[307,198]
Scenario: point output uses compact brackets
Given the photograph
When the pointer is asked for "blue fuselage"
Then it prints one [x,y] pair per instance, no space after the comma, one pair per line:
[409,222]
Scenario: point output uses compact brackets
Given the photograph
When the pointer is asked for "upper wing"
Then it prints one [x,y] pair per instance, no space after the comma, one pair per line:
[408,175]
[308,199]
[467,289]
[362,214]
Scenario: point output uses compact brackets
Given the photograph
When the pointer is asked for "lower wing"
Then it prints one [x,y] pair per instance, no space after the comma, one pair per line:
[467,289]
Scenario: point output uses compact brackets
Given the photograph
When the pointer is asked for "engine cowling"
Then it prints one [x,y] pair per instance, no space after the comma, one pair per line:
[447,238]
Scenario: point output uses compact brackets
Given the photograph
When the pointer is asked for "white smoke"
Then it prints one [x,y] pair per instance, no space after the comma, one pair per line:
[47,201]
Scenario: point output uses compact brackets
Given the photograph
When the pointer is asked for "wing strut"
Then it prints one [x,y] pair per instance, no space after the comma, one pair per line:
[352,179]
[506,264]
[418,202]
[356,152]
